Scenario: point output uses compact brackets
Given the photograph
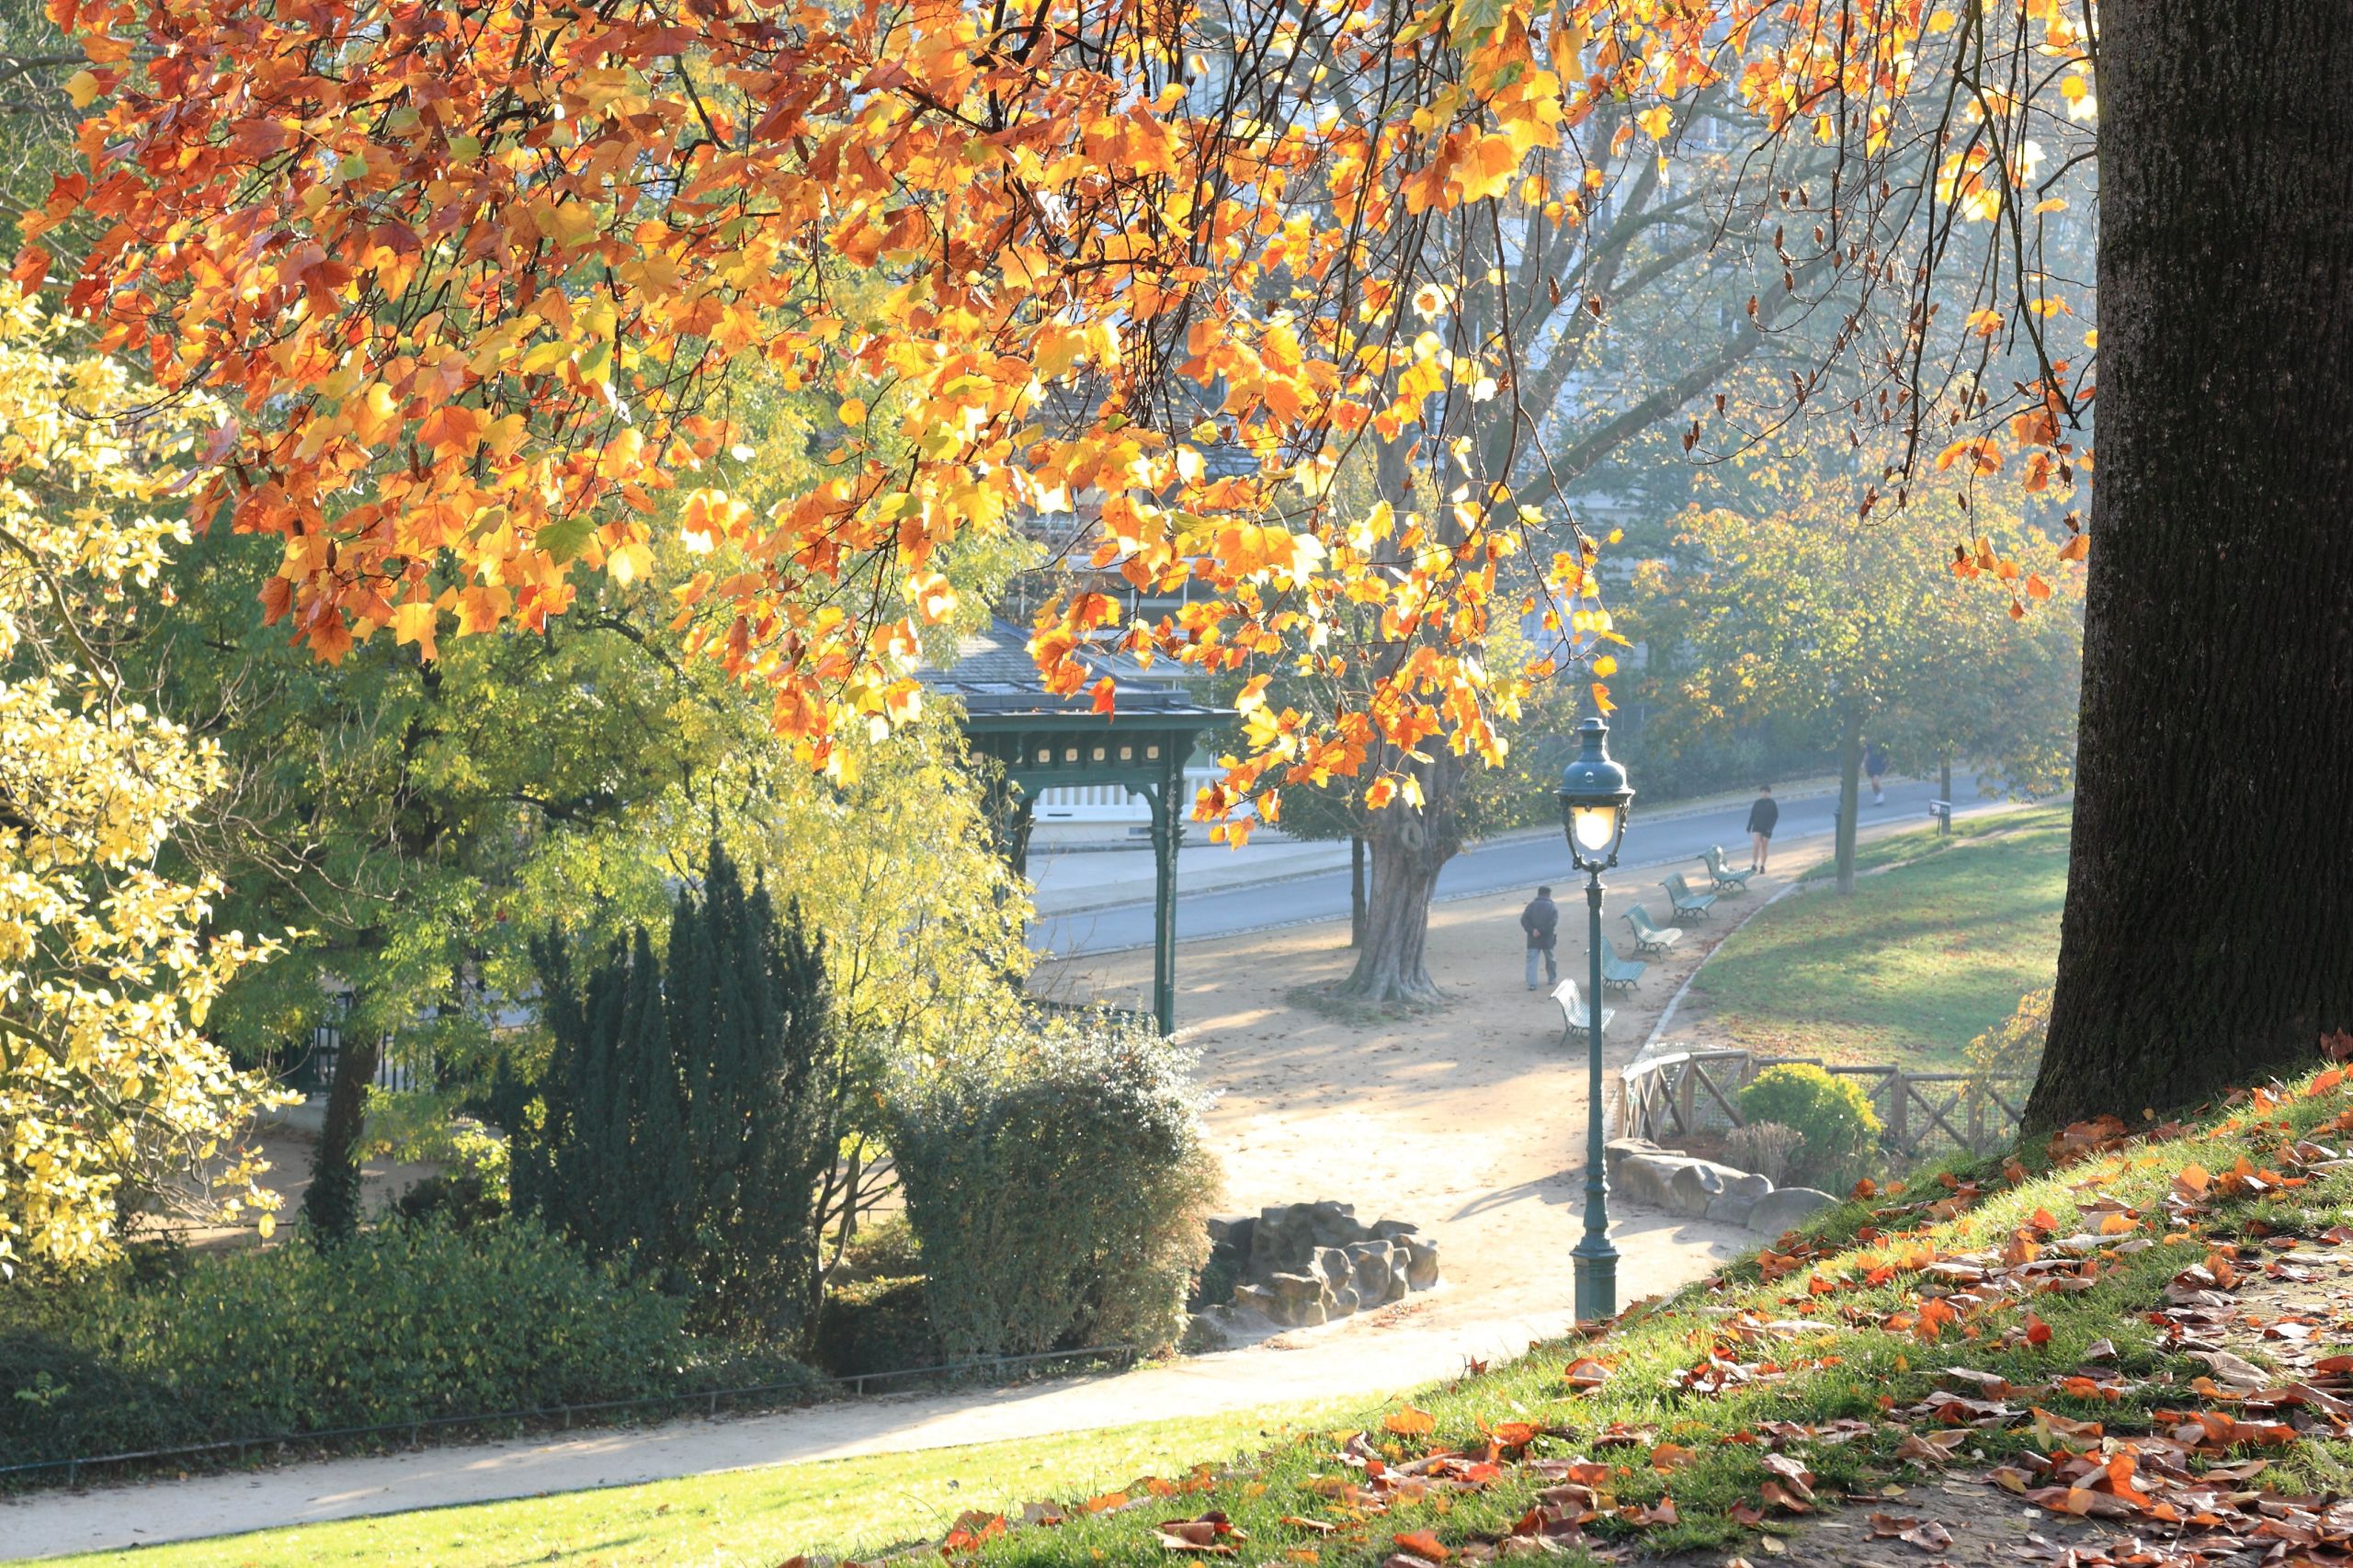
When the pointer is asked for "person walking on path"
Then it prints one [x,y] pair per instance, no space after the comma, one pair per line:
[1763,817]
[1541,921]
[1875,764]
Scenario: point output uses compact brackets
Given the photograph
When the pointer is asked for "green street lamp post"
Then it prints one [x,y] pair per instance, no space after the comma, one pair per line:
[1594,796]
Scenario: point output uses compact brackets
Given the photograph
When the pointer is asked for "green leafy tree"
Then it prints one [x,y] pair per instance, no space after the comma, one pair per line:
[1798,613]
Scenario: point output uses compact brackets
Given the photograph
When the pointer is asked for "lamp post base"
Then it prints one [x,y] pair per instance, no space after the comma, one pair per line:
[1597,1280]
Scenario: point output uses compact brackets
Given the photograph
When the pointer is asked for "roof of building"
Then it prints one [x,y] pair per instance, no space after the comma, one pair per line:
[994,673]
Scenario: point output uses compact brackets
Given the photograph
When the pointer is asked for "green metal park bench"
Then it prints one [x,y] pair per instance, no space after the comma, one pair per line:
[1649,935]
[1623,973]
[1721,874]
[1576,1019]
[1689,903]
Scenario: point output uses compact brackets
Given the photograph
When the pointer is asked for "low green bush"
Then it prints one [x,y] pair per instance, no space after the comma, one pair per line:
[402,1323]
[1832,1116]
[461,1198]
[876,1325]
[1060,1185]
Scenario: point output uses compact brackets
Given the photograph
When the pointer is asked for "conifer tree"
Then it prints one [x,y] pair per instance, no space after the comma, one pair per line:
[692,1103]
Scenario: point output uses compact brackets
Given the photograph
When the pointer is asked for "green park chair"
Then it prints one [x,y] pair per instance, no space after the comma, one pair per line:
[1689,903]
[1721,874]
[1649,935]
[1623,973]
[1576,1019]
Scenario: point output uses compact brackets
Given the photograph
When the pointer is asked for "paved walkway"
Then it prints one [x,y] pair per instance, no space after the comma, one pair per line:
[1374,1358]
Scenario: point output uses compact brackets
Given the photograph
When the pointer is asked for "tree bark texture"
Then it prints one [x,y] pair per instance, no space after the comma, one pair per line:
[1357,905]
[1409,846]
[2208,938]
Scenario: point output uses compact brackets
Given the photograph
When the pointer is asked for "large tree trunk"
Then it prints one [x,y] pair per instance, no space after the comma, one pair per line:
[1409,848]
[2208,938]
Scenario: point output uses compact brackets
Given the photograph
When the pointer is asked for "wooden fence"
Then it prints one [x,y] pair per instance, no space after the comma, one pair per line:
[1682,1092]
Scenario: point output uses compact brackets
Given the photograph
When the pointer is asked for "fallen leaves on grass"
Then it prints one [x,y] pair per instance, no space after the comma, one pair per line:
[1211,1534]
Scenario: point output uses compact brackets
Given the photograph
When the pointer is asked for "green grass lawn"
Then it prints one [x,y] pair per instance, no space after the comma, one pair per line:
[1912,965]
[762,1516]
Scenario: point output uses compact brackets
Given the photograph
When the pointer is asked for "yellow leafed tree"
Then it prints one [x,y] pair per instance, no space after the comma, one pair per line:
[109,1096]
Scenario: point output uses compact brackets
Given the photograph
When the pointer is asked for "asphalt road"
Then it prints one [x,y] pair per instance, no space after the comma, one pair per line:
[1670,842]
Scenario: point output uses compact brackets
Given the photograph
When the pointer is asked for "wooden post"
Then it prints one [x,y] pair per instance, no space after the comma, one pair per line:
[1900,1122]
[1686,1088]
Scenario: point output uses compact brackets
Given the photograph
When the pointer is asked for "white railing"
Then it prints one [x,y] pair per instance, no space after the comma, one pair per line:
[1109,803]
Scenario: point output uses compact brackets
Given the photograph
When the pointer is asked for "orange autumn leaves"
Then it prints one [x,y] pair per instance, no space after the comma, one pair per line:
[478,290]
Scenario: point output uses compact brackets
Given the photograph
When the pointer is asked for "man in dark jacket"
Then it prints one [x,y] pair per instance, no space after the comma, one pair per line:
[1763,817]
[1541,921]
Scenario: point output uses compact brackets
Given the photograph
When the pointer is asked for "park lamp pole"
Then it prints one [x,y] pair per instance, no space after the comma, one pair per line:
[1594,797]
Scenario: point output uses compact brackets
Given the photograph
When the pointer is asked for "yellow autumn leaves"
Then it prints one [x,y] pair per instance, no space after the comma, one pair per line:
[108,1090]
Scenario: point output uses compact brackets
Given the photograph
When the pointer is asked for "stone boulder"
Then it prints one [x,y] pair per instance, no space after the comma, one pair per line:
[1302,1301]
[1286,1236]
[1683,1183]
[1787,1206]
[1614,1153]
[1230,1236]
[1306,1263]
[1381,1272]
[1259,1299]
[1700,1185]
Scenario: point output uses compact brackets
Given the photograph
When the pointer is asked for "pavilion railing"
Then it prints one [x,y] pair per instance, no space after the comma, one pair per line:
[1681,1091]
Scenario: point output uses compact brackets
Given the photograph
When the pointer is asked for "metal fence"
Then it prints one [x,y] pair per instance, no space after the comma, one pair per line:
[311,1069]
[711,1399]
[1684,1091]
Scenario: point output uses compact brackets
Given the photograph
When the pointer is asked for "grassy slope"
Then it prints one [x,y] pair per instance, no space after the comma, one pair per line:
[1919,960]
[1860,1354]
[756,1517]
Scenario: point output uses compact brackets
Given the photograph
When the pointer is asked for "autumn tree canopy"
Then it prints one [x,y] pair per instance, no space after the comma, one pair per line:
[476,285]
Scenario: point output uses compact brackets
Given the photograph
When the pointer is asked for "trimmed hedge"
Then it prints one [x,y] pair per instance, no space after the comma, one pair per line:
[402,1323]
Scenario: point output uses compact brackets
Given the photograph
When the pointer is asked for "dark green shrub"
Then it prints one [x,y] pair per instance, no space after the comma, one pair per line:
[691,1105]
[1060,1185]
[401,1323]
[462,1199]
[57,1400]
[876,1325]
[1829,1112]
